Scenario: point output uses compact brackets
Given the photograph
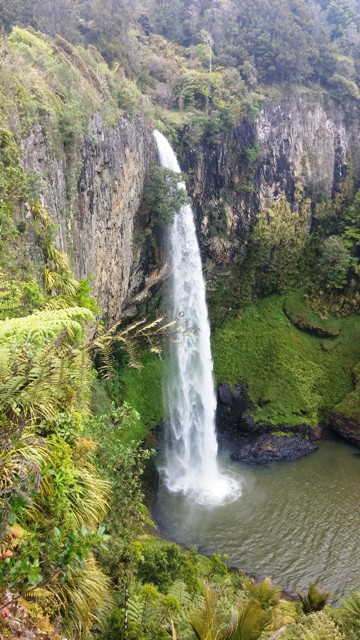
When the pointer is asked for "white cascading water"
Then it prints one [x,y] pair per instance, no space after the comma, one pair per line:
[191,451]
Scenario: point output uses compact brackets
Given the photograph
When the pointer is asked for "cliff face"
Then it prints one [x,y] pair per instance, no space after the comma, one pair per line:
[298,139]
[110,192]
[95,199]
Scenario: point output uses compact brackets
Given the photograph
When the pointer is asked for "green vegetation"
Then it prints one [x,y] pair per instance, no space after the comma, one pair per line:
[314,600]
[74,532]
[302,317]
[163,196]
[290,376]
[140,388]
[349,407]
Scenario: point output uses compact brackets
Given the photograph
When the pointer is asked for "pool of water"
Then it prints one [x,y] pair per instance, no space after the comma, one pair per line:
[297,522]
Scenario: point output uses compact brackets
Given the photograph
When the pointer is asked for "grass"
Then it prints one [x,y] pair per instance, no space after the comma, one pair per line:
[291,376]
[142,389]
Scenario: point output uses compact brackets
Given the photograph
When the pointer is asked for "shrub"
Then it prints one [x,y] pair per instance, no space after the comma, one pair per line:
[164,195]
[314,600]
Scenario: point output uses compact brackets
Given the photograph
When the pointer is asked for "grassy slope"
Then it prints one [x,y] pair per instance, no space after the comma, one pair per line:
[142,389]
[292,377]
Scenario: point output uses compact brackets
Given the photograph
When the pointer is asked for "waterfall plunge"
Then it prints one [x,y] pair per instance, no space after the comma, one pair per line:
[191,465]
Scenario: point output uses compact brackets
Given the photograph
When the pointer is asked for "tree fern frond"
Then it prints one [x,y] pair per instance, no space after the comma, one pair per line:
[179,590]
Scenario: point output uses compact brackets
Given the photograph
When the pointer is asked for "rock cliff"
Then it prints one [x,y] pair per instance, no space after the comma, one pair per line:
[347,428]
[302,138]
[96,200]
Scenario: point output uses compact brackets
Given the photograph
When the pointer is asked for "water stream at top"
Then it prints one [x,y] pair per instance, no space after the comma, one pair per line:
[191,448]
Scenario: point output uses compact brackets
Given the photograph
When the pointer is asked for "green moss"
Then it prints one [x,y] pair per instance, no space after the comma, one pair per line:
[142,389]
[100,401]
[291,379]
[283,434]
[304,318]
[349,407]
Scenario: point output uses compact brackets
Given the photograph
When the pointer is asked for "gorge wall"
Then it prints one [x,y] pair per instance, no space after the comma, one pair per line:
[303,138]
[96,201]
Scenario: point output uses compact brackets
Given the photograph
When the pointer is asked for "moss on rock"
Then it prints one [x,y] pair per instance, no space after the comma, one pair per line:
[290,377]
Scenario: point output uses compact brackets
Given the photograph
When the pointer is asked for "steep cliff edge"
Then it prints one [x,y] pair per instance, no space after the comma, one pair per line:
[88,152]
[96,223]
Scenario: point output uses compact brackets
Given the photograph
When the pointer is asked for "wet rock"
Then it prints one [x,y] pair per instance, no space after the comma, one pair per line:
[297,138]
[271,448]
[347,428]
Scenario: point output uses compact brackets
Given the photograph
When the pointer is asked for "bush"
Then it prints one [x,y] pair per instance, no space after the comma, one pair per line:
[334,263]
[160,565]
[164,196]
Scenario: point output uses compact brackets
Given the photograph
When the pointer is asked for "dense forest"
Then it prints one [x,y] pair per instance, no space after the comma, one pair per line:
[79,396]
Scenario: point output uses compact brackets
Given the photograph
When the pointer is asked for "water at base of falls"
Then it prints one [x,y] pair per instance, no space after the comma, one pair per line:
[191,447]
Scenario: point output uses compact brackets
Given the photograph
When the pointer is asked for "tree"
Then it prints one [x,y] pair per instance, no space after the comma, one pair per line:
[351,226]
[207,39]
[277,243]
[164,195]
[334,262]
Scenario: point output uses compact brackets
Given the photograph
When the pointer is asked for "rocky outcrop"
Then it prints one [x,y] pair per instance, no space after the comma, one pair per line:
[302,138]
[96,200]
[16,622]
[254,443]
[347,428]
[272,448]
[115,165]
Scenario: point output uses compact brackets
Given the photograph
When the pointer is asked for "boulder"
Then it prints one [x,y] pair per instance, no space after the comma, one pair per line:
[271,448]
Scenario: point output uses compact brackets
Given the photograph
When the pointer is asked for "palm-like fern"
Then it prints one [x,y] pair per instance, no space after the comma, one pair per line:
[208,623]
[265,593]
[249,622]
[131,338]
[314,600]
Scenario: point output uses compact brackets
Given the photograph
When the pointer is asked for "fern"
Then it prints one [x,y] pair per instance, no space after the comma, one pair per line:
[145,607]
[179,590]
[38,327]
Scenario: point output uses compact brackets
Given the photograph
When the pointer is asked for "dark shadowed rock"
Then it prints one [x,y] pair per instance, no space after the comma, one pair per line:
[347,428]
[270,448]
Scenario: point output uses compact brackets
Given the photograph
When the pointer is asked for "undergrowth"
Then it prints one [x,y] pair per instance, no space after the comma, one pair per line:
[141,388]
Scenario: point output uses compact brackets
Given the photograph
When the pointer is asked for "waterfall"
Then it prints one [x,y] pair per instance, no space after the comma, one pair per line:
[191,448]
